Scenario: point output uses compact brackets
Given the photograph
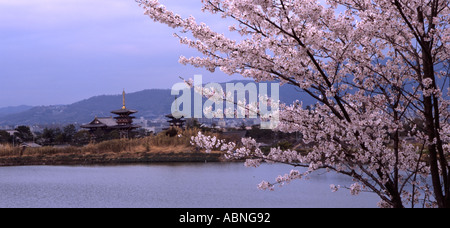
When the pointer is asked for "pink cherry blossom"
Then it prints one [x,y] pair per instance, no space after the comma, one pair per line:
[376,69]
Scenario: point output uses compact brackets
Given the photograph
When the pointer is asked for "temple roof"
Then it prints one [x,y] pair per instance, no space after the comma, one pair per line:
[124,112]
[128,126]
[175,115]
[101,122]
[108,122]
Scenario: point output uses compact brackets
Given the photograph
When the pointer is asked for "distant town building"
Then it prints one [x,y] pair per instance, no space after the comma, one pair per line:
[123,122]
[12,132]
[30,145]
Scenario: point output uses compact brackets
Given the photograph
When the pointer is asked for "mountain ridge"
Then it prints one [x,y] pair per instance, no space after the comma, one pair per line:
[14,109]
[151,103]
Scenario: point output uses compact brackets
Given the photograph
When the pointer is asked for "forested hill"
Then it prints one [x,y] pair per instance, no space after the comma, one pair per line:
[150,103]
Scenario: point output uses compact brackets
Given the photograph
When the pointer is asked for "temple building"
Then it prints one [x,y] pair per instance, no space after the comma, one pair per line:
[176,119]
[123,122]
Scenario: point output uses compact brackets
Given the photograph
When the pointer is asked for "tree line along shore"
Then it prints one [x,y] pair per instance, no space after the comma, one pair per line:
[154,148]
[68,147]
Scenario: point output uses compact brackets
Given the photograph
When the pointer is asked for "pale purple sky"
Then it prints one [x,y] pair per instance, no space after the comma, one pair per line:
[63,51]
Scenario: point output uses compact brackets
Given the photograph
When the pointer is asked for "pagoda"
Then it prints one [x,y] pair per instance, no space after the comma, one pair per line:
[177,122]
[124,119]
[123,123]
[176,119]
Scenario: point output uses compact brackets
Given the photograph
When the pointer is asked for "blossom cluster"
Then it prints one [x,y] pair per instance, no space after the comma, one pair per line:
[376,69]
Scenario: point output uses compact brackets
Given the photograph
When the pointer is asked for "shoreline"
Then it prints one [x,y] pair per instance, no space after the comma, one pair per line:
[152,149]
[108,159]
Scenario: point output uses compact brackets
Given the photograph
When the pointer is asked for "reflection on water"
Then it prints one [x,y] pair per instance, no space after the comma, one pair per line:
[185,185]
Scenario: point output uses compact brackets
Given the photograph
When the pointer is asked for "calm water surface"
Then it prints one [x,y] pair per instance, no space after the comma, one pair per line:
[186,185]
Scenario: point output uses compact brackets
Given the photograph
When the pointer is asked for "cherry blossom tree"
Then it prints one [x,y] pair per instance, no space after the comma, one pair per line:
[377,68]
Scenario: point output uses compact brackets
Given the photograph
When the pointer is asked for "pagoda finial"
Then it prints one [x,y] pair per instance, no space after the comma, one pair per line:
[123,99]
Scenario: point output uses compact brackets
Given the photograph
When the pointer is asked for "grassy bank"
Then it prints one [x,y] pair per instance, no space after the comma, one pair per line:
[159,148]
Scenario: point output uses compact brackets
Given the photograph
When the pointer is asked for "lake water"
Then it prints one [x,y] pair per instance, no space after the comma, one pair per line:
[185,185]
